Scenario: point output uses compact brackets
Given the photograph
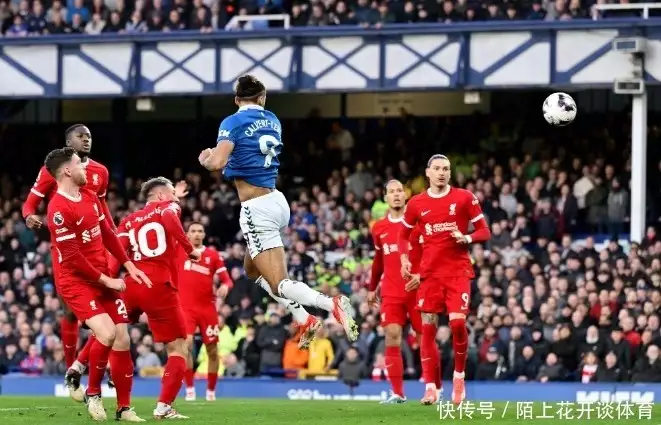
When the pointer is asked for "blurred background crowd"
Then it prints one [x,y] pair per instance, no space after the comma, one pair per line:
[22,18]
[560,294]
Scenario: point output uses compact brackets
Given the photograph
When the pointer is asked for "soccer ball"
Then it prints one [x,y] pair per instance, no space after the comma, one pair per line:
[559,109]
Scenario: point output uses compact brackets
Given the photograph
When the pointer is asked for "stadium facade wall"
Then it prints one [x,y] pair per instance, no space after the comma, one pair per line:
[397,58]
[367,390]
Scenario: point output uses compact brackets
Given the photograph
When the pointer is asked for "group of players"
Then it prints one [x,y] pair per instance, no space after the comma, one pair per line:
[170,274]
[422,268]
[81,232]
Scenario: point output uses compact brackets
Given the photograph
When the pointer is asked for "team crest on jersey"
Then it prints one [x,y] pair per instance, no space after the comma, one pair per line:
[95,179]
[453,208]
[58,220]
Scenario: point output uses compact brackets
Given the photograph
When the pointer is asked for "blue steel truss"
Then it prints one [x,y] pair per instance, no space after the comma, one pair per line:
[395,58]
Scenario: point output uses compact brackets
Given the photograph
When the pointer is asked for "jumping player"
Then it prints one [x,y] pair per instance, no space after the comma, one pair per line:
[152,234]
[198,301]
[443,214]
[80,234]
[398,297]
[249,143]
[79,137]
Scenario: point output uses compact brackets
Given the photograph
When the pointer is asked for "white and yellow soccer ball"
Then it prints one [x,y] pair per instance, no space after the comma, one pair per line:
[559,109]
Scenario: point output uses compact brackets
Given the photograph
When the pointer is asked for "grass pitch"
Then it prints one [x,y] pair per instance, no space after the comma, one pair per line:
[63,411]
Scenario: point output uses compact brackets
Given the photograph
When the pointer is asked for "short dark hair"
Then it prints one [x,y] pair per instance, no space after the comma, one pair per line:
[195,223]
[248,87]
[153,183]
[437,156]
[385,186]
[57,158]
[68,131]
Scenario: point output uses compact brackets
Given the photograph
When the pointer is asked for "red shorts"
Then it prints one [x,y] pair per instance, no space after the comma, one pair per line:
[161,305]
[204,318]
[87,300]
[400,310]
[444,295]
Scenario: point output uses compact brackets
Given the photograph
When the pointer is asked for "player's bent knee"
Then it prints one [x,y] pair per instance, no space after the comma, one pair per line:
[103,328]
[178,347]
[429,319]
[122,341]
[393,334]
[457,316]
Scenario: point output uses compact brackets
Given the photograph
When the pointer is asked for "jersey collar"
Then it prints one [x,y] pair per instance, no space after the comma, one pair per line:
[69,197]
[439,195]
[395,220]
[246,107]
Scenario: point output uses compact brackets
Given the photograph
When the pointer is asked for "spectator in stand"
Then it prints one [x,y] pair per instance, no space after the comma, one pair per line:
[79,9]
[96,25]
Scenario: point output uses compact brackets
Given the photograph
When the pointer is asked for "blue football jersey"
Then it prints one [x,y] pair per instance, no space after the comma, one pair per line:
[256,134]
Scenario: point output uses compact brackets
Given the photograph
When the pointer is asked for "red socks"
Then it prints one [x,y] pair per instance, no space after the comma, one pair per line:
[84,354]
[189,378]
[173,376]
[212,379]
[69,334]
[99,354]
[121,371]
[459,344]
[429,356]
[395,368]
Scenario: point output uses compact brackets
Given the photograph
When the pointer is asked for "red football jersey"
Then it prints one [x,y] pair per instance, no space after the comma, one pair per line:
[97,180]
[437,216]
[385,233]
[196,286]
[153,234]
[74,226]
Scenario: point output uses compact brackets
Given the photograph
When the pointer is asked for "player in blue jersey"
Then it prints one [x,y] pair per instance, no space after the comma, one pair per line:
[249,143]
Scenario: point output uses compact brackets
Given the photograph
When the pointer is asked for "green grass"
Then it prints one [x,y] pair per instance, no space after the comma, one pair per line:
[55,411]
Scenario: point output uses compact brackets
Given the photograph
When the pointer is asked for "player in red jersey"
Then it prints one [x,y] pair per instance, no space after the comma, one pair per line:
[78,137]
[80,234]
[398,297]
[197,294]
[444,215]
[152,234]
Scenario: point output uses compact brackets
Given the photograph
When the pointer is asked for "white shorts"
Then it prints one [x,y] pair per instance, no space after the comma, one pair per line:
[263,221]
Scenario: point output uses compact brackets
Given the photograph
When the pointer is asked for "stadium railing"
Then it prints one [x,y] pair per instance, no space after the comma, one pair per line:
[643,8]
[257,21]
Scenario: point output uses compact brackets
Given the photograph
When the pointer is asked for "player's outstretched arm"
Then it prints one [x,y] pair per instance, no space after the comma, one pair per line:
[216,159]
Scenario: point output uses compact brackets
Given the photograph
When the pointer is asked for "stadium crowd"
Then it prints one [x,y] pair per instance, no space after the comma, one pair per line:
[22,18]
[549,304]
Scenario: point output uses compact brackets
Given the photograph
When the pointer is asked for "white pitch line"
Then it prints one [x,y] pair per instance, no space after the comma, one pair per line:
[18,409]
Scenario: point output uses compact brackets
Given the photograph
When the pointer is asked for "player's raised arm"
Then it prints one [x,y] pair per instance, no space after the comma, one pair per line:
[215,159]
[43,185]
